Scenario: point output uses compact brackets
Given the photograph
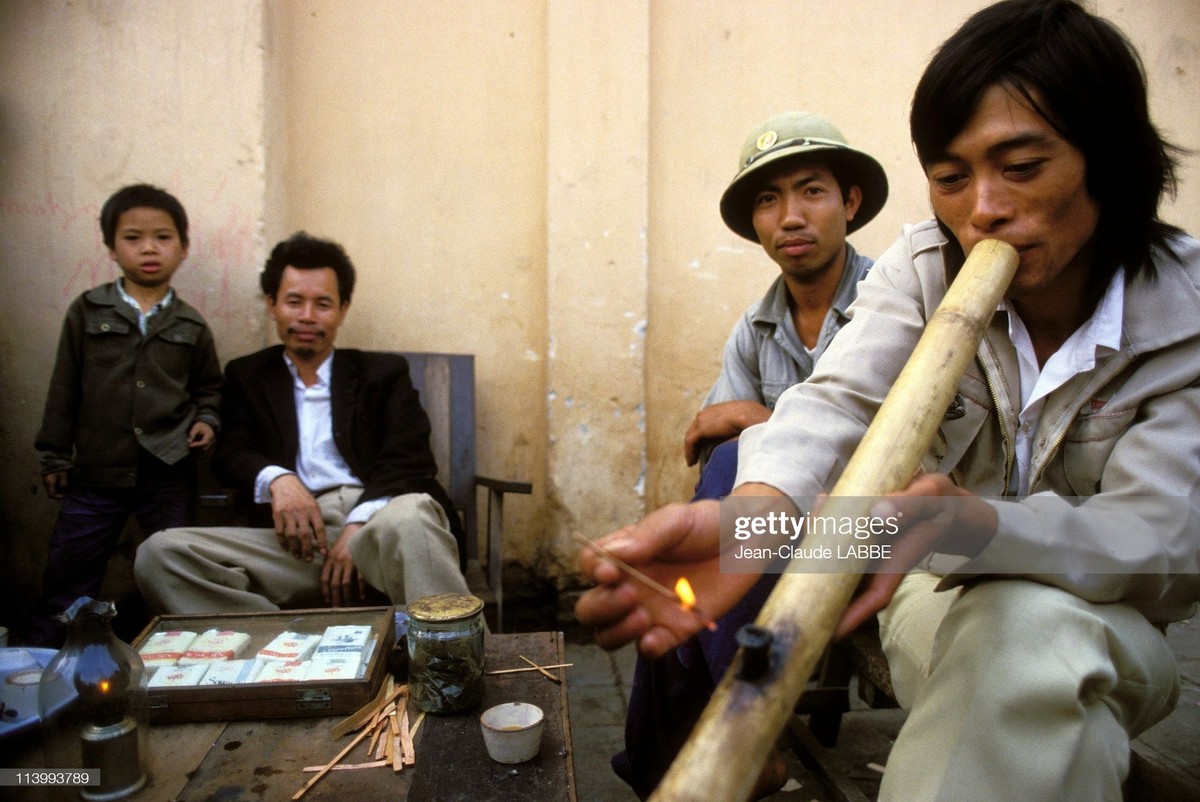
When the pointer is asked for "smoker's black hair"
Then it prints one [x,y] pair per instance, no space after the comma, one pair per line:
[1080,73]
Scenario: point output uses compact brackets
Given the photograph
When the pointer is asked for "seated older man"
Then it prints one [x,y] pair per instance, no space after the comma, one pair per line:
[337,444]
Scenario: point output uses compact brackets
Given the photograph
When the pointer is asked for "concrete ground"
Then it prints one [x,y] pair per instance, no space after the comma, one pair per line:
[1166,762]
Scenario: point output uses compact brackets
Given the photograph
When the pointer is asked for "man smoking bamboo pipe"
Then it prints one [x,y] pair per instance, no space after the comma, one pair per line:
[1066,479]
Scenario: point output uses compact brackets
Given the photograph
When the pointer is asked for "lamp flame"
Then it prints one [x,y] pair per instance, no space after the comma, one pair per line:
[683,589]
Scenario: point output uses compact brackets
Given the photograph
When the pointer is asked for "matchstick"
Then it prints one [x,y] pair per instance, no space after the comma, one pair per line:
[645,580]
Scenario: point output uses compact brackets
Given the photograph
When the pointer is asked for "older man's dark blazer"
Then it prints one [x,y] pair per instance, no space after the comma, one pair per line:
[379,426]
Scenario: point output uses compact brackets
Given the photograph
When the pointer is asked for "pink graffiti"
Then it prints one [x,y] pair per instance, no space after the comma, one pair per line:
[216,254]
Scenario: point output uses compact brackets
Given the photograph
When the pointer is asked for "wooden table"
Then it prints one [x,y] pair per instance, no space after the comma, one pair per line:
[263,760]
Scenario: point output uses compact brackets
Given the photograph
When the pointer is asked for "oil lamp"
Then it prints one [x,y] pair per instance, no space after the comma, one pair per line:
[92,698]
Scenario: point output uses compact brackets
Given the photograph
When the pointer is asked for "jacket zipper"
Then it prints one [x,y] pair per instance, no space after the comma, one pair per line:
[1009,452]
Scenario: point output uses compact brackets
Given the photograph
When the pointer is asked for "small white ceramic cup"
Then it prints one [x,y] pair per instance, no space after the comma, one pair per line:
[512,732]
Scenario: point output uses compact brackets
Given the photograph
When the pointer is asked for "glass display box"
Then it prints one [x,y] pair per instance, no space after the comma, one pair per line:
[265,665]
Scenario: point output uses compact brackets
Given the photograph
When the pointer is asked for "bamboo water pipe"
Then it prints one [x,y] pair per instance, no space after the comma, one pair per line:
[731,742]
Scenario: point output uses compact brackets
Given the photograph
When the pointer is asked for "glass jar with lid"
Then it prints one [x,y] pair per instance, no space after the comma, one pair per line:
[445,652]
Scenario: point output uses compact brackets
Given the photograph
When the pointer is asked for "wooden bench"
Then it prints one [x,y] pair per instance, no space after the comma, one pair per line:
[858,655]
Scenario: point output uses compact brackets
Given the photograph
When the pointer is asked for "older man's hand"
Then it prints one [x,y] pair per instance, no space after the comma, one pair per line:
[297,516]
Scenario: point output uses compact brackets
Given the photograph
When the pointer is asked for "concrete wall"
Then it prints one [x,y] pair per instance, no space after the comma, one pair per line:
[93,96]
[532,181]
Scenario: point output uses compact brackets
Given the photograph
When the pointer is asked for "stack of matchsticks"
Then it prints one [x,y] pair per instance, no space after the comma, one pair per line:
[385,720]
[391,739]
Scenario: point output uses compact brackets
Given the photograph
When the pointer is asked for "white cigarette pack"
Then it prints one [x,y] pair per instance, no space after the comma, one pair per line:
[165,648]
[215,645]
[177,676]
[336,666]
[289,647]
[277,671]
[344,639]
[231,672]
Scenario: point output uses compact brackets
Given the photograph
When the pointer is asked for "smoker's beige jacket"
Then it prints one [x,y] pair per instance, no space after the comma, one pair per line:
[1114,507]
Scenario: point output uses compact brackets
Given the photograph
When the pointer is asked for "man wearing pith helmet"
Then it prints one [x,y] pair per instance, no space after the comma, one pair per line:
[798,191]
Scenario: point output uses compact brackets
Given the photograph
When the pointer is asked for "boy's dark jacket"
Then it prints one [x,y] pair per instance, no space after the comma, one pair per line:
[113,390]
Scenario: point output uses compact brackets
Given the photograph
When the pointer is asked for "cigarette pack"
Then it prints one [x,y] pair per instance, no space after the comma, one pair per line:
[176,676]
[165,648]
[344,639]
[289,647]
[215,645]
[231,672]
[277,671]
[336,666]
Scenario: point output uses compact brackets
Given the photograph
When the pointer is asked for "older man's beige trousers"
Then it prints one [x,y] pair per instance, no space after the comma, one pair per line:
[405,550]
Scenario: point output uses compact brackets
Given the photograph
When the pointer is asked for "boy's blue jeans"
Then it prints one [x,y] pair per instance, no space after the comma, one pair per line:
[88,532]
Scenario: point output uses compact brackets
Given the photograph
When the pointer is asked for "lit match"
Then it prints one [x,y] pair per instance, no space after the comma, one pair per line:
[683,594]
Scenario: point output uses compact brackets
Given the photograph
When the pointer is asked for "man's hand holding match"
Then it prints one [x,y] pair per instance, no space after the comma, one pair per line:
[678,540]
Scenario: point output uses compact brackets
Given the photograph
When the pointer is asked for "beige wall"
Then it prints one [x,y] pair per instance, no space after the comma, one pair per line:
[532,181]
[95,95]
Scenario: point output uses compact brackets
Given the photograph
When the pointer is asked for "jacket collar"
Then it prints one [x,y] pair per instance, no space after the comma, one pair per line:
[1163,311]
[773,310]
[107,295]
[1173,295]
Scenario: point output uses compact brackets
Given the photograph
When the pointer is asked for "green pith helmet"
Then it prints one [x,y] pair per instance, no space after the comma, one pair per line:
[794,135]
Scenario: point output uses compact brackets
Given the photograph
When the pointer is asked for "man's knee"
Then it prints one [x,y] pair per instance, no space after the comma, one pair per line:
[411,509]
[1021,624]
[149,558]
[1053,643]
[1014,609]
[410,521]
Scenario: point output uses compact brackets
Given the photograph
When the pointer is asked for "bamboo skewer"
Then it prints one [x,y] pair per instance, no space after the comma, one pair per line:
[387,692]
[406,739]
[541,670]
[417,726]
[744,718]
[371,764]
[519,670]
[329,766]
[385,719]
[395,746]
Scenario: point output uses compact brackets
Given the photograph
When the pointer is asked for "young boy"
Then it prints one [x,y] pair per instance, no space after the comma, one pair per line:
[135,391]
